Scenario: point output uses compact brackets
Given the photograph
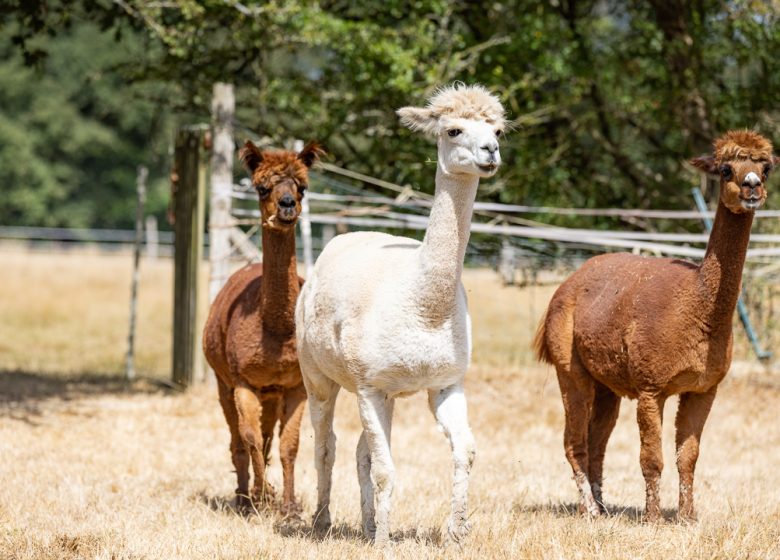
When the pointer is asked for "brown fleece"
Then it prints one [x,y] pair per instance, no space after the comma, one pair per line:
[249,337]
[648,328]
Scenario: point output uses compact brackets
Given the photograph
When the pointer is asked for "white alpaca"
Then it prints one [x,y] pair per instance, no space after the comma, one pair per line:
[386,316]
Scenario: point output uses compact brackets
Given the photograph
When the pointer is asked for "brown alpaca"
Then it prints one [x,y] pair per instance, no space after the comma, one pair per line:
[249,337]
[647,328]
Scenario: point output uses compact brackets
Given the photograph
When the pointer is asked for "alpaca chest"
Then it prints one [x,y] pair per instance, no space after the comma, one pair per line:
[268,360]
[414,359]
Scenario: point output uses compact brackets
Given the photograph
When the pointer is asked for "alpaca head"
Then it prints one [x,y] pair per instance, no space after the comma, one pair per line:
[742,159]
[467,122]
[280,179]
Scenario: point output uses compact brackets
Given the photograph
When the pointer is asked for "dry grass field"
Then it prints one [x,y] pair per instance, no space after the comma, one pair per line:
[91,467]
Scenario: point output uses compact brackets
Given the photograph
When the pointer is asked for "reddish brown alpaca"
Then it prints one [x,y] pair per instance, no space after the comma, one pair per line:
[249,337]
[649,328]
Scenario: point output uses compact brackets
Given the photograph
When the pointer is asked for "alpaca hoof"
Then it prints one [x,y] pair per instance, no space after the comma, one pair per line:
[320,524]
[381,538]
[652,517]
[291,524]
[369,530]
[291,508]
[263,496]
[243,503]
[457,531]
[687,516]
[590,511]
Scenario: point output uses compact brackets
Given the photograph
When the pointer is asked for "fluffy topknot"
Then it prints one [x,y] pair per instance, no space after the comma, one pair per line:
[742,144]
[467,102]
[458,100]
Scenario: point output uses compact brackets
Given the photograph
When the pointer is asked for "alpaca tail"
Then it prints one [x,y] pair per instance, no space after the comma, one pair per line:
[540,341]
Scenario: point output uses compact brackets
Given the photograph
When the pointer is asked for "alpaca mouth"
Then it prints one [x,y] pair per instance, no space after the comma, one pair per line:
[287,220]
[488,168]
[751,203]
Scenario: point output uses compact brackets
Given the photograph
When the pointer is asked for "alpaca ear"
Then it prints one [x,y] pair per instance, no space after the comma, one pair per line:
[251,156]
[775,160]
[311,153]
[419,119]
[705,164]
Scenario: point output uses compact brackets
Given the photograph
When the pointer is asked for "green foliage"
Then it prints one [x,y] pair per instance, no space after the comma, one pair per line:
[609,97]
[74,132]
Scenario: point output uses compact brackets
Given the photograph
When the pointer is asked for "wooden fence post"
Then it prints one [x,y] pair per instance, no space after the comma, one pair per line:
[188,208]
[222,110]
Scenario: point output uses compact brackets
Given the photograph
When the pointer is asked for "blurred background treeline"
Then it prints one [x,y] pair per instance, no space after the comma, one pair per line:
[608,97]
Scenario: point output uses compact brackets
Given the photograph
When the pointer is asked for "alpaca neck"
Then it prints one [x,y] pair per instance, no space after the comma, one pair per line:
[444,246]
[280,281]
[720,272]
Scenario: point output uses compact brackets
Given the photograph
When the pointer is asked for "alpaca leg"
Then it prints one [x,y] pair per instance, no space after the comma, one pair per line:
[249,410]
[363,456]
[691,415]
[449,408]
[578,393]
[268,418]
[650,417]
[289,435]
[606,406]
[322,402]
[238,452]
[375,410]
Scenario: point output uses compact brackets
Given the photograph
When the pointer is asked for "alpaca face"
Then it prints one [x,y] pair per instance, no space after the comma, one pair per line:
[742,184]
[469,146]
[280,178]
[466,122]
[742,160]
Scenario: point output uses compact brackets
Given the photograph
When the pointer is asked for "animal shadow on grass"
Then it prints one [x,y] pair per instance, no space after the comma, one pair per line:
[229,506]
[347,532]
[632,514]
[23,394]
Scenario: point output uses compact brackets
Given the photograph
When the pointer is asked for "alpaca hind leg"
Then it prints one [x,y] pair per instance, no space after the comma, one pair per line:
[375,414]
[604,415]
[649,413]
[322,403]
[691,415]
[249,411]
[578,393]
[449,407]
[238,451]
[363,456]
[289,436]
[271,412]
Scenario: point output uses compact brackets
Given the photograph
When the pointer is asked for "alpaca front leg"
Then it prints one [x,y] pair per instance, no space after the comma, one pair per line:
[650,417]
[238,451]
[249,411]
[322,403]
[289,436]
[363,456]
[449,408]
[367,511]
[375,414]
[691,415]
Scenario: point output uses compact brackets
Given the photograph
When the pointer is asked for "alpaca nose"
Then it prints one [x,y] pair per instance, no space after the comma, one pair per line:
[287,201]
[490,147]
[751,180]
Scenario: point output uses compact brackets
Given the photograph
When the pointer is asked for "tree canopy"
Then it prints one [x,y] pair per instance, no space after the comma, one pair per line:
[609,98]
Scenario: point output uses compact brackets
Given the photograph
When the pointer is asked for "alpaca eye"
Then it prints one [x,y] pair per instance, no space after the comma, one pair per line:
[725,171]
[499,133]
[302,189]
[767,169]
[454,132]
[263,191]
